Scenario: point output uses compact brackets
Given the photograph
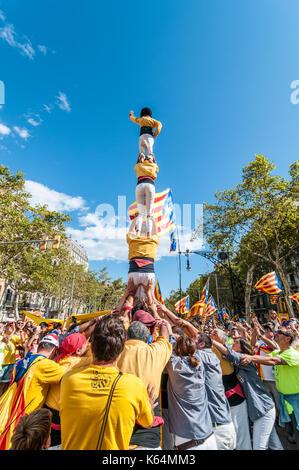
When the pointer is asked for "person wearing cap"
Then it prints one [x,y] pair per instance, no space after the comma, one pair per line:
[147,134]
[33,375]
[71,354]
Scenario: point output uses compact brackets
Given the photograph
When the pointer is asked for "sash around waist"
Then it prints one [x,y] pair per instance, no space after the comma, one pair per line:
[146,130]
[145,179]
[141,264]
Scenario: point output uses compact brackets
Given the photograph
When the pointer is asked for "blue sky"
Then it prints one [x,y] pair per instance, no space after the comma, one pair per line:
[217,75]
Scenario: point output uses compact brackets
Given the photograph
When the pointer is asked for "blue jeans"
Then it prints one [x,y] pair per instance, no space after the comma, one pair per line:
[264,432]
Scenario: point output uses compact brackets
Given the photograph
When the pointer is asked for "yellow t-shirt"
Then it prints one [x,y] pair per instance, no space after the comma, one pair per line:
[83,400]
[10,355]
[226,366]
[142,246]
[146,169]
[42,374]
[146,361]
[148,122]
[71,363]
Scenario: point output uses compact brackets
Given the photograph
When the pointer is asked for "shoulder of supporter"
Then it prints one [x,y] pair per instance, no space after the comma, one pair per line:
[49,371]
[162,344]
[232,355]
[290,356]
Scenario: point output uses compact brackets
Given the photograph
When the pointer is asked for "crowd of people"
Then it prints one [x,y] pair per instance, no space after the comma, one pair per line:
[143,378]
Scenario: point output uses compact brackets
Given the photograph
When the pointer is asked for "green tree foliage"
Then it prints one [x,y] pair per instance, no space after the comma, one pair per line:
[257,220]
[27,269]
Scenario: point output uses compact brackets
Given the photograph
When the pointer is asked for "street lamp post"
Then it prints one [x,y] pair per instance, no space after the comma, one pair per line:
[221,258]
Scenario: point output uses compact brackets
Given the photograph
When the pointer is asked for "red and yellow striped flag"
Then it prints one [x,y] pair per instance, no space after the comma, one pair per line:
[269,284]
[205,293]
[295,297]
[196,309]
[163,212]
[211,306]
[274,299]
[182,306]
[158,293]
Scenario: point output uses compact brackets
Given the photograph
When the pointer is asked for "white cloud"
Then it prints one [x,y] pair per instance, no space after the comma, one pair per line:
[104,240]
[62,102]
[2,17]
[4,130]
[22,132]
[48,108]
[34,119]
[42,49]
[41,194]
[8,34]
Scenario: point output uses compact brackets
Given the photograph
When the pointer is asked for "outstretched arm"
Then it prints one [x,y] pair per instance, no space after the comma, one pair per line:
[223,349]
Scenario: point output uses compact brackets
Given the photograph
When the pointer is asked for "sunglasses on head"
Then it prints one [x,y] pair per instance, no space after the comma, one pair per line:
[283,333]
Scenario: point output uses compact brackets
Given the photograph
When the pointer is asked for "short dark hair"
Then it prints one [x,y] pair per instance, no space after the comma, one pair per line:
[32,430]
[204,338]
[43,323]
[178,331]
[46,346]
[146,112]
[108,338]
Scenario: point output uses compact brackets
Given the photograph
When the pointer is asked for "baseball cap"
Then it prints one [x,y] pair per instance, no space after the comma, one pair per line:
[51,338]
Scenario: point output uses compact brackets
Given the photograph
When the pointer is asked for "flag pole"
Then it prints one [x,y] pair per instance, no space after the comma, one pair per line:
[180,267]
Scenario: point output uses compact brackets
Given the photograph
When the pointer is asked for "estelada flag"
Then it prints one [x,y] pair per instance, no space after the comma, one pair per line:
[196,309]
[211,306]
[274,299]
[13,402]
[295,297]
[158,293]
[163,212]
[182,306]
[205,293]
[269,284]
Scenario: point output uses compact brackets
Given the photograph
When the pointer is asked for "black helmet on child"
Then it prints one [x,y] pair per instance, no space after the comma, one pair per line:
[146,112]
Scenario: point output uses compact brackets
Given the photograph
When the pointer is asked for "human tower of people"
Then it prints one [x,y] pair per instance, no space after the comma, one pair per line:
[140,377]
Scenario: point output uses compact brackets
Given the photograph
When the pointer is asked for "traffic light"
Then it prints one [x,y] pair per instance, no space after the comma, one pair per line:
[43,245]
[55,245]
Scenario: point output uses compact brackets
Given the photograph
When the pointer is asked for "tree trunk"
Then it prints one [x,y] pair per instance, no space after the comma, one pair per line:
[248,287]
[287,291]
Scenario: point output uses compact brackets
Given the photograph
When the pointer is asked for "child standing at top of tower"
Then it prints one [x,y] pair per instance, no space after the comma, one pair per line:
[147,125]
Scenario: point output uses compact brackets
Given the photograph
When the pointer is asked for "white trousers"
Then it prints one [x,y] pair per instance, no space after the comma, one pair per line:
[264,432]
[240,419]
[225,435]
[143,278]
[209,444]
[146,143]
[145,196]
